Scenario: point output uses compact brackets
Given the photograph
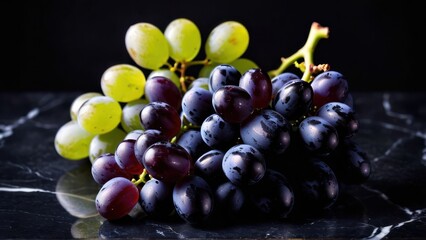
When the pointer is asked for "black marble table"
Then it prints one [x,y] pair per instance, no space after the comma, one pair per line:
[44,196]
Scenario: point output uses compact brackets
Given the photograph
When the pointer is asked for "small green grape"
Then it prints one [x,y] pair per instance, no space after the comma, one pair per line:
[105,143]
[206,70]
[130,118]
[166,73]
[243,64]
[72,142]
[227,42]
[123,82]
[147,45]
[184,39]
[78,101]
[99,115]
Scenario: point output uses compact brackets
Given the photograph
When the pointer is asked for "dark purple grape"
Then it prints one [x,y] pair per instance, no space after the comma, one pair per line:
[126,159]
[145,140]
[293,100]
[229,199]
[350,163]
[193,199]
[267,131]
[341,116]
[258,84]
[167,161]
[105,168]
[232,103]
[193,143]
[280,80]
[243,165]
[329,86]
[318,135]
[219,134]
[222,75]
[273,196]
[197,105]
[162,89]
[161,116]
[116,198]
[156,198]
[209,167]
[314,183]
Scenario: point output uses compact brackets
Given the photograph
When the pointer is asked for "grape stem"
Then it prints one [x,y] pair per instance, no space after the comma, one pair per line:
[182,69]
[141,178]
[316,33]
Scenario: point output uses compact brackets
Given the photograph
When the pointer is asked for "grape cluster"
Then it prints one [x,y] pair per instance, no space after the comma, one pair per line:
[233,141]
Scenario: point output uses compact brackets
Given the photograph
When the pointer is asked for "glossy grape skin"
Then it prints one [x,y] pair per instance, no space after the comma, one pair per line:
[318,135]
[147,45]
[329,86]
[105,168]
[193,143]
[273,196]
[267,131]
[156,198]
[227,42]
[126,159]
[197,105]
[282,79]
[78,102]
[219,134]
[105,143]
[223,74]
[229,199]
[145,140]
[209,167]
[232,103]
[258,84]
[167,161]
[162,89]
[341,116]
[193,199]
[243,165]
[123,82]
[116,198]
[99,114]
[351,163]
[161,116]
[133,135]
[184,39]
[72,142]
[293,100]
[130,119]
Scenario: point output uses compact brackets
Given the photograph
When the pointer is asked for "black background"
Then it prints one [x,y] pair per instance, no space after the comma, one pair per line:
[67,45]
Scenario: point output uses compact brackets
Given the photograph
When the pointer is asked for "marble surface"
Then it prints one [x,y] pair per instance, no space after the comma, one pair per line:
[44,196]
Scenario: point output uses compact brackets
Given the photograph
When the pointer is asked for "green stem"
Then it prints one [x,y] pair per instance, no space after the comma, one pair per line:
[316,33]
[141,178]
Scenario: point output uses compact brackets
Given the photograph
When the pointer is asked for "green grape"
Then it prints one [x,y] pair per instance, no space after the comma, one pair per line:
[78,101]
[147,45]
[105,143]
[166,73]
[123,82]
[72,142]
[227,42]
[184,39]
[130,119]
[206,70]
[243,64]
[99,114]
[202,82]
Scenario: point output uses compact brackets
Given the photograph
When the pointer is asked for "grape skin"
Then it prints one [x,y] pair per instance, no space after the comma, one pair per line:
[73,142]
[184,39]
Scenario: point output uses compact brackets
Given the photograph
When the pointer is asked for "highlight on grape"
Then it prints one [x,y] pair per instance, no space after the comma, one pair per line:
[232,141]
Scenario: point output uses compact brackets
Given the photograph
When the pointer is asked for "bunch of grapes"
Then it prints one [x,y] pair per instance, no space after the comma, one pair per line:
[234,140]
